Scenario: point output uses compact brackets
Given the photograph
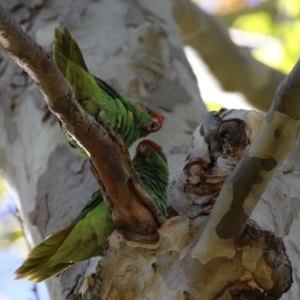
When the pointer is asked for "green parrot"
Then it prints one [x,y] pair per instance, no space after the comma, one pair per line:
[86,236]
[128,118]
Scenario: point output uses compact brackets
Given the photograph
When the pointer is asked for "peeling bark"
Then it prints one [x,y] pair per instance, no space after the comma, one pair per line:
[247,241]
[264,276]
[241,193]
[109,163]
[111,60]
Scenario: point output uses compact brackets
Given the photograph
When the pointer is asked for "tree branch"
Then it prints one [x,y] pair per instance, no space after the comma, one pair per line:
[232,65]
[244,187]
[110,159]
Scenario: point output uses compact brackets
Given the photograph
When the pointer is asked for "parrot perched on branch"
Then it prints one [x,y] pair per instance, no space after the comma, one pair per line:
[128,118]
[86,236]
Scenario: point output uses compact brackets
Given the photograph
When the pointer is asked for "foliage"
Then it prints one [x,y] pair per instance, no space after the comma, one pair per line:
[268,18]
[281,22]
[10,229]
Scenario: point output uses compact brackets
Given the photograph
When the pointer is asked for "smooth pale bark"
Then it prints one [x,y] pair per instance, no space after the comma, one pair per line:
[51,181]
[275,141]
[109,158]
[171,268]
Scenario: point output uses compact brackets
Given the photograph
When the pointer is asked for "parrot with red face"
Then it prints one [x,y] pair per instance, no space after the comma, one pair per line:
[128,118]
[87,235]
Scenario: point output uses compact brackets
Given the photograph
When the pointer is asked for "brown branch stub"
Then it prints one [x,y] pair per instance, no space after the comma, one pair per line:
[107,159]
[217,146]
[135,181]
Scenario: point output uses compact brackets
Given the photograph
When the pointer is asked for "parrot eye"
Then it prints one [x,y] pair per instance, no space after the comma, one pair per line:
[157,122]
[155,126]
[144,148]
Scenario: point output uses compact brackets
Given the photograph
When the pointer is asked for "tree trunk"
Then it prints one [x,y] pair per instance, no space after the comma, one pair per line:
[121,44]
[142,57]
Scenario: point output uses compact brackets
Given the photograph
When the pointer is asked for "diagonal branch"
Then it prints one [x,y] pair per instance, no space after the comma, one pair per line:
[244,187]
[109,159]
[233,66]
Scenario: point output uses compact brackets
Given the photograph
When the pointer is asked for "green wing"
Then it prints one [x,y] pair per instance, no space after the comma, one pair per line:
[98,99]
[151,164]
[87,234]
[83,239]
[65,50]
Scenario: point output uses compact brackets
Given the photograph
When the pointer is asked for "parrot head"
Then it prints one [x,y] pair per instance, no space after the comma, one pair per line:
[157,120]
[150,151]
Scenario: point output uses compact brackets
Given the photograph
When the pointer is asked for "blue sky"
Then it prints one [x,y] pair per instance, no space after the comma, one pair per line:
[12,254]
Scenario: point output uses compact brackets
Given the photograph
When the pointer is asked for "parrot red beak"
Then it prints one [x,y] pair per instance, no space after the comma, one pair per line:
[157,122]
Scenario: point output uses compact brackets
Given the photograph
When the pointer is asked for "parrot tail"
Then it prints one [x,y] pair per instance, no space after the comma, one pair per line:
[38,266]
[66,48]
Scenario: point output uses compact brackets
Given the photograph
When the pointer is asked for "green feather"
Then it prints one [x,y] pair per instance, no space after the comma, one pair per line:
[153,170]
[87,235]
[128,118]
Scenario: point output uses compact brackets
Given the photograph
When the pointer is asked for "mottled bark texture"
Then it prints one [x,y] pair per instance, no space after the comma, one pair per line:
[219,150]
[109,157]
[220,243]
[243,188]
[233,66]
[255,264]
[132,45]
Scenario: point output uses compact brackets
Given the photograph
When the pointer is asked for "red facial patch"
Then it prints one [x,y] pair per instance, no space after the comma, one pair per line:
[141,106]
[158,117]
[152,144]
[157,120]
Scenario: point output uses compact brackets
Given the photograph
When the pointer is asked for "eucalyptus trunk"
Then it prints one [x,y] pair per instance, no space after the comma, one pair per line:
[235,250]
[122,45]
